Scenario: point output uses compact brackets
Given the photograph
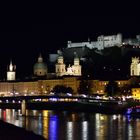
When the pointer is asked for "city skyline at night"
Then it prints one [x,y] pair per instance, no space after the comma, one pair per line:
[23,43]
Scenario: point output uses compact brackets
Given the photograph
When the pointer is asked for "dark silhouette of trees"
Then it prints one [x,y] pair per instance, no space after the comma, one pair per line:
[58,89]
[69,90]
[84,87]
[126,90]
[112,88]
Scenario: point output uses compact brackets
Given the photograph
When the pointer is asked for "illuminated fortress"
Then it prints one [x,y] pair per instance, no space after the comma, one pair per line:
[106,41]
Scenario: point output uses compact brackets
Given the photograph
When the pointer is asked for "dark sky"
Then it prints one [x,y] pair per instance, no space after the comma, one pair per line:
[23,42]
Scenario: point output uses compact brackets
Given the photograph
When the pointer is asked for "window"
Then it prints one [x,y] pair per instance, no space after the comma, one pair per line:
[132,72]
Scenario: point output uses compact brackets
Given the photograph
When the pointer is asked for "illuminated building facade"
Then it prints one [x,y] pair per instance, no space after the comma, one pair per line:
[135,67]
[60,67]
[37,87]
[136,92]
[101,43]
[46,86]
[74,70]
[105,42]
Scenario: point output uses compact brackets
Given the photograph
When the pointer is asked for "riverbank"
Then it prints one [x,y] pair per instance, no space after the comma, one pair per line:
[11,132]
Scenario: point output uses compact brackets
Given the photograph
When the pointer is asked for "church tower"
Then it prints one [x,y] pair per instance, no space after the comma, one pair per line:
[11,73]
[76,67]
[60,67]
[135,67]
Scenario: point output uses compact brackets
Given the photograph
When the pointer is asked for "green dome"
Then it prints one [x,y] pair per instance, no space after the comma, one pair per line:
[39,65]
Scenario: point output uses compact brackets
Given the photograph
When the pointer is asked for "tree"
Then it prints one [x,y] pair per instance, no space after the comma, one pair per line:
[126,90]
[112,88]
[62,89]
[59,89]
[69,90]
[84,87]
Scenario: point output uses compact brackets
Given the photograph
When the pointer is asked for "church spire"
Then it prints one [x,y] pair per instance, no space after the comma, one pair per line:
[11,67]
[40,59]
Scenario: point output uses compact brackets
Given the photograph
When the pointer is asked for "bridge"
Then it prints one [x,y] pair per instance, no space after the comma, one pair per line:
[49,97]
[55,102]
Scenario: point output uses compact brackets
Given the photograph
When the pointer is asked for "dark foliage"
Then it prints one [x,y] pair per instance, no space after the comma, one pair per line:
[112,88]
[62,89]
[84,87]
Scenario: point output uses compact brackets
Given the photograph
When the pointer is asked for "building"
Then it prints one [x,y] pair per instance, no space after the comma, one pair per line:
[132,41]
[60,67]
[106,41]
[135,67]
[101,43]
[40,68]
[74,70]
[11,73]
[76,67]
[135,92]
[36,87]
[41,87]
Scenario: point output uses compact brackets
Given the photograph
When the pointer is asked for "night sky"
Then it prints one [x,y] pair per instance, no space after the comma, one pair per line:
[23,43]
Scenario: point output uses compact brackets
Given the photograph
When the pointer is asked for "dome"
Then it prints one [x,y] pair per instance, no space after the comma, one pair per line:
[40,68]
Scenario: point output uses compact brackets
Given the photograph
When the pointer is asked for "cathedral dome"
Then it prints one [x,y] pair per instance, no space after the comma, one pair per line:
[40,68]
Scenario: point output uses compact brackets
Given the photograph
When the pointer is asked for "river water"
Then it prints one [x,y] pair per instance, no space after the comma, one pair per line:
[65,125]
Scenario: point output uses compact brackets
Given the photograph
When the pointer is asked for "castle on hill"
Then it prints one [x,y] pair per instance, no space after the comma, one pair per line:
[105,42]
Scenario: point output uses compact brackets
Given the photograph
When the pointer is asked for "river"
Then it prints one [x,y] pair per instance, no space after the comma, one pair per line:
[63,125]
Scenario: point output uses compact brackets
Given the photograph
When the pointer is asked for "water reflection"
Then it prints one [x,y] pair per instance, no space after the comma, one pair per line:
[69,130]
[75,126]
[53,124]
[85,130]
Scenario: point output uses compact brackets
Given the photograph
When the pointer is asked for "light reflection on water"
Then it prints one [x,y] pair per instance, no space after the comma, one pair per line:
[75,126]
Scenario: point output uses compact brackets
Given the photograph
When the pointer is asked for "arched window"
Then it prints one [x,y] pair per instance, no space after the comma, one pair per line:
[132,72]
